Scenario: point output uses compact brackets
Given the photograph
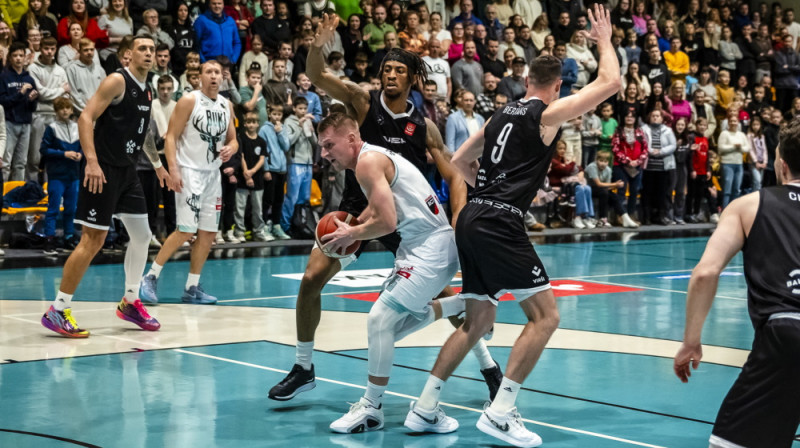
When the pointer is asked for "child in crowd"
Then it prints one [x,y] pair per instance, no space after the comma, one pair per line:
[658,179]
[591,130]
[274,134]
[692,77]
[715,187]
[699,174]
[336,64]
[256,54]
[758,152]
[732,145]
[250,182]
[304,90]
[598,175]
[192,80]
[608,124]
[684,139]
[192,63]
[61,154]
[302,139]
[630,156]
[359,73]
[252,96]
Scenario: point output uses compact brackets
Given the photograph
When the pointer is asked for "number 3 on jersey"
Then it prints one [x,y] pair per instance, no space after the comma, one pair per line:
[497,151]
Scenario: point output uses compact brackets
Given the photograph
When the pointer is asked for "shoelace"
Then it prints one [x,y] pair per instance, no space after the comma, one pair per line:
[70,319]
[141,309]
[516,417]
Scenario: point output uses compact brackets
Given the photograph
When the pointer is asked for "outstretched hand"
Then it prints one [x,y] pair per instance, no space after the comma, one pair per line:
[601,24]
[325,29]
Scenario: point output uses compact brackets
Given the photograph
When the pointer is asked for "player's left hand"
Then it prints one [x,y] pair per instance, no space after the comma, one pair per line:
[340,239]
[688,354]
[226,153]
[163,176]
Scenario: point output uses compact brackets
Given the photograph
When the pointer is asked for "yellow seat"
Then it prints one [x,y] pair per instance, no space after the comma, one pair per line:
[41,207]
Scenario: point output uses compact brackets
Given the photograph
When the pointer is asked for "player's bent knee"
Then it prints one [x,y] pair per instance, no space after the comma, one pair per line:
[319,270]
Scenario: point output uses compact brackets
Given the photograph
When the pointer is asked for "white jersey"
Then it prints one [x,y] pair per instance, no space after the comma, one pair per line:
[204,134]
[419,212]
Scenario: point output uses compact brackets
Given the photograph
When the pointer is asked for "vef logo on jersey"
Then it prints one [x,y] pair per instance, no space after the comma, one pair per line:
[794,282]
[410,127]
[431,201]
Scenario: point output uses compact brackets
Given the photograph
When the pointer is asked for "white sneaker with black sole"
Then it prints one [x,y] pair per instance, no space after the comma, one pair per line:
[430,421]
[361,417]
[508,428]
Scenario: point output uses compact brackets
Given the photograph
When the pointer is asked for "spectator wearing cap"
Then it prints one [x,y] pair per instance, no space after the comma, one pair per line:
[513,86]
[217,33]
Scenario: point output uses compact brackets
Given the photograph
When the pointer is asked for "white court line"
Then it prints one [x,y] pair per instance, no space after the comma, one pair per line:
[411,397]
[295,295]
[669,290]
[639,273]
[36,314]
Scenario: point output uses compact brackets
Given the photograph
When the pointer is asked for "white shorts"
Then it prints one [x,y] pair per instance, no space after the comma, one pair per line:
[422,269]
[199,204]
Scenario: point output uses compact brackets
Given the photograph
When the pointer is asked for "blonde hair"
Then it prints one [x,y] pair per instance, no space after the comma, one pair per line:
[124,14]
[84,43]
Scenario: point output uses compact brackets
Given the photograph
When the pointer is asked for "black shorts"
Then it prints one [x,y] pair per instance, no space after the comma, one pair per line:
[762,409]
[122,195]
[496,256]
[354,202]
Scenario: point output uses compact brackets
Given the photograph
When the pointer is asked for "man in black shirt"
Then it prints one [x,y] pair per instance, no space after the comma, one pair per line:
[489,61]
[121,109]
[763,406]
[272,29]
[654,69]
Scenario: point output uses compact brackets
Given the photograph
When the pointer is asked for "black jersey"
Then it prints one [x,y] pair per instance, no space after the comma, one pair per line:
[405,134]
[120,130]
[515,159]
[772,254]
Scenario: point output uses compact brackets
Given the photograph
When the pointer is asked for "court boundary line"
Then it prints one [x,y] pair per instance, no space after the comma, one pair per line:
[50,436]
[401,395]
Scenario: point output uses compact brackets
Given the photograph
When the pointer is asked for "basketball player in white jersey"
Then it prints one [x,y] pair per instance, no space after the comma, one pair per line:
[399,199]
[199,139]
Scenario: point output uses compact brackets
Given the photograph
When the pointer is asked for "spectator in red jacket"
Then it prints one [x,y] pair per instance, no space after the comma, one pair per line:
[630,154]
[90,28]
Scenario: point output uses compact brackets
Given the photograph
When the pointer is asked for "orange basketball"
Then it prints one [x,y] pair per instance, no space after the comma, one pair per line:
[327,225]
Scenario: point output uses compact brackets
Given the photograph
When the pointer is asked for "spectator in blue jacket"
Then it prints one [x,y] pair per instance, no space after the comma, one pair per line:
[277,140]
[19,98]
[569,69]
[217,33]
[314,104]
[463,122]
[62,154]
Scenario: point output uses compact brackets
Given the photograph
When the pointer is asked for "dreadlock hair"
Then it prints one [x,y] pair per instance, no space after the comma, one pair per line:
[416,66]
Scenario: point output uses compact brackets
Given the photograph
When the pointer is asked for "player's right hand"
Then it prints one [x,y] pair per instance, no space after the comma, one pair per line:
[94,178]
[601,23]
[688,354]
[175,182]
[325,29]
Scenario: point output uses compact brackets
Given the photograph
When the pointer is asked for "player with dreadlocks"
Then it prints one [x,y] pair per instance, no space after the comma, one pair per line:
[385,118]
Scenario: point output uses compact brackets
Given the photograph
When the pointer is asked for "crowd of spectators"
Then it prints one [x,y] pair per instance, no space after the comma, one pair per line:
[706,85]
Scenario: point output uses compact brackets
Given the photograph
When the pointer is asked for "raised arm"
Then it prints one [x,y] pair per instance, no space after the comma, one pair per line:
[345,91]
[608,75]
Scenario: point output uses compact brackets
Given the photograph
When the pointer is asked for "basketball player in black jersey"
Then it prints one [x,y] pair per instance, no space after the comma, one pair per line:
[514,148]
[762,409]
[386,118]
[121,110]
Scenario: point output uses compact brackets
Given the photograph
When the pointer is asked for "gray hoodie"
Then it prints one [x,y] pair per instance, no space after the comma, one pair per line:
[50,80]
[301,146]
[84,81]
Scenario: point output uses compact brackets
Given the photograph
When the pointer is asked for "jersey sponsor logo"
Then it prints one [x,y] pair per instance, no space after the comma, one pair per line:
[143,108]
[212,127]
[395,140]
[219,203]
[130,147]
[149,96]
[432,205]
[410,127]
[134,93]
[405,271]
[92,215]
[794,281]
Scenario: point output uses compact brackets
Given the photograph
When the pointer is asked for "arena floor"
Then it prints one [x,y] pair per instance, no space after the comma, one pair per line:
[605,379]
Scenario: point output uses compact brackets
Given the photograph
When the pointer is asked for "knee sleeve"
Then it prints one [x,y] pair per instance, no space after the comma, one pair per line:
[136,253]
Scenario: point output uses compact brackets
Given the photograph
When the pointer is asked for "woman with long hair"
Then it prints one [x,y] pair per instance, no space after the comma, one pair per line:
[36,17]
[117,24]
[621,16]
[395,16]
[640,17]
[629,145]
[424,18]
[304,24]
[758,151]
[353,40]
[579,51]
[630,101]
[549,44]
[78,14]
[743,87]
[709,48]
[684,139]
[539,31]
[438,32]
[729,51]
[67,54]
[456,49]
[182,33]
[657,100]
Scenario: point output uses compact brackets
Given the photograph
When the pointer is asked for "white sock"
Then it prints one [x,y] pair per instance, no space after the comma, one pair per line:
[192,280]
[131,293]
[429,398]
[481,352]
[374,394]
[506,397]
[63,301]
[304,351]
[451,306]
[155,269]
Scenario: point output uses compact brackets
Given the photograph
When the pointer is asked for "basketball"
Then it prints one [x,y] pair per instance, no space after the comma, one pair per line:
[327,225]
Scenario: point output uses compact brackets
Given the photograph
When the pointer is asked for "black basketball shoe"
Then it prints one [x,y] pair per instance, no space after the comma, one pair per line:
[493,377]
[298,380]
